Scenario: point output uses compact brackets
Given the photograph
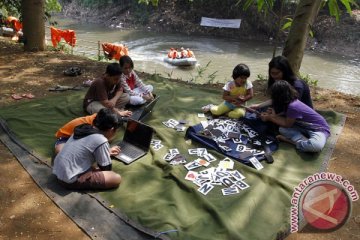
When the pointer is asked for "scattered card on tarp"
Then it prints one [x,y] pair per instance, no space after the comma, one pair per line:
[209,157]
[156,144]
[171,123]
[241,184]
[155,141]
[193,151]
[191,175]
[230,191]
[157,147]
[202,162]
[174,151]
[256,163]
[237,175]
[226,163]
[178,159]
[201,152]
[192,165]
[205,188]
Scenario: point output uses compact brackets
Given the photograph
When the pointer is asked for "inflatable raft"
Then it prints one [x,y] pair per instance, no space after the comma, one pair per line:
[181,61]
[184,57]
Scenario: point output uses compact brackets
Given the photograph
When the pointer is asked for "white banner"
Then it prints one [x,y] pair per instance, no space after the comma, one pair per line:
[221,23]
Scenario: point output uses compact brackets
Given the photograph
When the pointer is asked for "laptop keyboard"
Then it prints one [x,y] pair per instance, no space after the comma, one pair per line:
[130,150]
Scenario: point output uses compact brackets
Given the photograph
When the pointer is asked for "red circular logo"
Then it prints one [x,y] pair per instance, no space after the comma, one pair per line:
[326,206]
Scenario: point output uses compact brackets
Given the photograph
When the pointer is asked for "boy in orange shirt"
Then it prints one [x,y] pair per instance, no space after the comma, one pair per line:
[64,133]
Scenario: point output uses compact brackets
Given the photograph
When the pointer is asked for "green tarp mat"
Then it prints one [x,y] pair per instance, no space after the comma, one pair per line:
[155,193]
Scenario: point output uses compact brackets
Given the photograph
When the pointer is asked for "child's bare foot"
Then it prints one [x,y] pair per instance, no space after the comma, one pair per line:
[125,113]
[16,96]
[28,95]
[207,108]
[148,97]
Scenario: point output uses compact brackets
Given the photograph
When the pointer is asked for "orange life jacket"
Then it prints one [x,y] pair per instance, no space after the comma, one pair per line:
[190,53]
[172,53]
[114,50]
[184,53]
[14,23]
[57,34]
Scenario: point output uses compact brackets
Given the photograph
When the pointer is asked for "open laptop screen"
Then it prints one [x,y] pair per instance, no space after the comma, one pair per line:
[138,134]
[148,108]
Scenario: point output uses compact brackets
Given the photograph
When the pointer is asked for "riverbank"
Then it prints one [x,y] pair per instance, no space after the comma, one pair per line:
[183,17]
[27,213]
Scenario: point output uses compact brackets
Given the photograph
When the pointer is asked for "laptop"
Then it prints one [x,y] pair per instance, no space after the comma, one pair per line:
[136,141]
[141,113]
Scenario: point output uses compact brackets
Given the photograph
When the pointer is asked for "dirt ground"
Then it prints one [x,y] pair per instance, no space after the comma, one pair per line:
[27,213]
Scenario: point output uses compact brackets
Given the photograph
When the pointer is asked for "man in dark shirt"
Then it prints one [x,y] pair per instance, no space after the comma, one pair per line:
[107,92]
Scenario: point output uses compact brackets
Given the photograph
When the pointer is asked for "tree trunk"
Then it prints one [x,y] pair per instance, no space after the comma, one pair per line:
[33,18]
[295,44]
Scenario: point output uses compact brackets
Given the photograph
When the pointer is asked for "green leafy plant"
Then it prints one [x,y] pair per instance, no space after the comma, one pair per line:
[200,73]
[169,75]
[311,82]
[157,77]
[201,70]
[211,77]
[52,6]
[261,77]
[334,9]
[288,23]
[63,47]
[101,58]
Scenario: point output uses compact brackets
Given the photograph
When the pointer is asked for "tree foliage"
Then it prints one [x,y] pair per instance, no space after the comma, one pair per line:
[147,2]
[10,7]
[300,26]
[334,8]
[52,6]
[13,7]
[333,5]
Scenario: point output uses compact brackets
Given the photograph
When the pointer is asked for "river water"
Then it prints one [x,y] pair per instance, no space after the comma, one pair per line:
[216,56]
